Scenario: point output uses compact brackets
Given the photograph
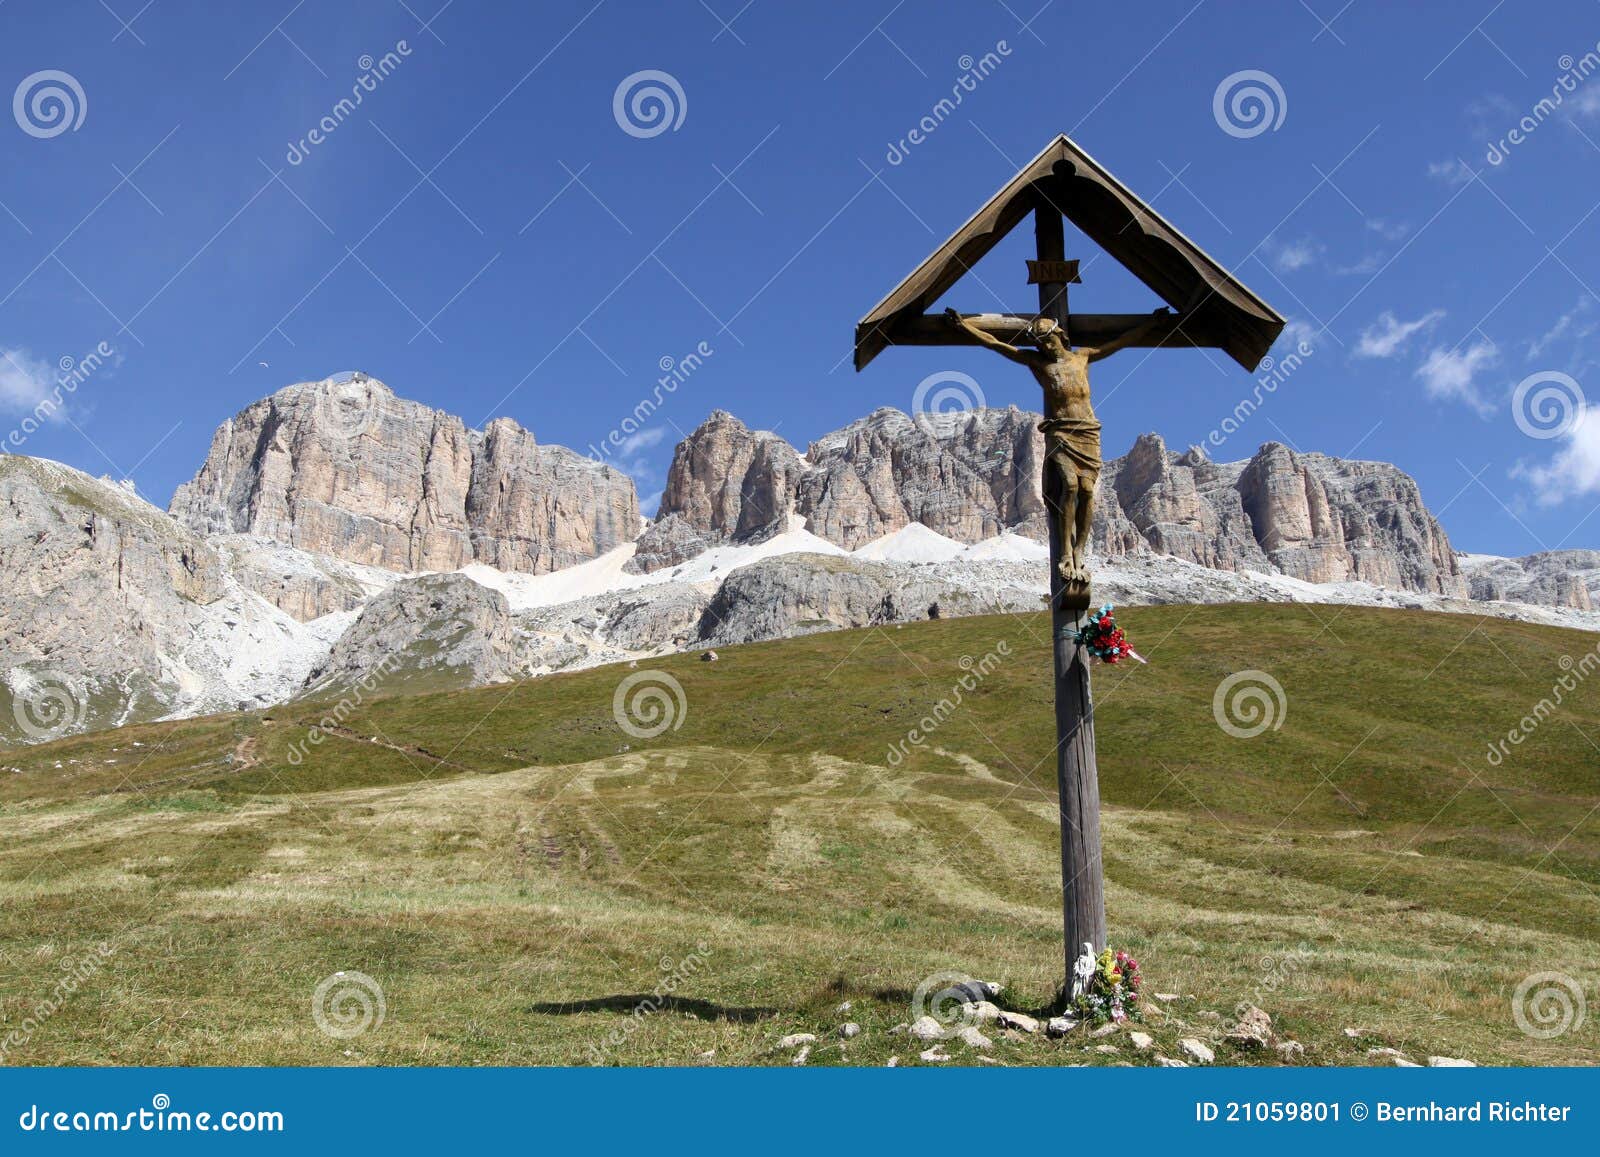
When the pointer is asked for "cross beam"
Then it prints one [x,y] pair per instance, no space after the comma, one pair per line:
[1086,329]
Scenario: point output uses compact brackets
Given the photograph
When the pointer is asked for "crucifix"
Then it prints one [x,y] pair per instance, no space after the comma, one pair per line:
[1213,310]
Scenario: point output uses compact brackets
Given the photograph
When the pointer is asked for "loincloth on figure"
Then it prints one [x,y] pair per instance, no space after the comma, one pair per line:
[1077,439]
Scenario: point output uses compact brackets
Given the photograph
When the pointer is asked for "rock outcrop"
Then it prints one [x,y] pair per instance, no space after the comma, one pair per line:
[282,569]
[1309,516]
[727,483]
[299,583]
[799,594]
[348,470]
[972,476]
[428,633]
[1555,578]
[113,612]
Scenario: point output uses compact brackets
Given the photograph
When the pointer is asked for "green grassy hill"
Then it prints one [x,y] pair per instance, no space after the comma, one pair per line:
[518,874]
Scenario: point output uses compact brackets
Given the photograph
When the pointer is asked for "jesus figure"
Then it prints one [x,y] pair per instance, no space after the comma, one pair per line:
[1071,431]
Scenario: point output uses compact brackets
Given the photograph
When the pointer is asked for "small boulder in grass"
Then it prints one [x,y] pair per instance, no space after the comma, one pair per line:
[1290,1051]
[795,1039]
[925,1028]
[1170,1062]
[1196,1051]
[1450,1063]
[980,1011]
[934,1056]
[1059,1026]
[849,1030]
[973,1039]
[1017,1021]
[1253,1029]
[802,1056]
[1142,1041]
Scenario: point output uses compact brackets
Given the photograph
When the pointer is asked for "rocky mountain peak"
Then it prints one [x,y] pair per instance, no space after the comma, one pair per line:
[973,475]
[345,468]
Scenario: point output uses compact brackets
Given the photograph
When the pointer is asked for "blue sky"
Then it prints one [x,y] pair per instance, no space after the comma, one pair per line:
[484,233]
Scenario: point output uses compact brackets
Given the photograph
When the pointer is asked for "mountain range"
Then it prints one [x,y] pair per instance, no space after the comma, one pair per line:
[336,530]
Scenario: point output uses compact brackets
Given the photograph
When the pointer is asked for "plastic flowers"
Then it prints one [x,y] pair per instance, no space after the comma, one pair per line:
[1104,639]
[1107,987]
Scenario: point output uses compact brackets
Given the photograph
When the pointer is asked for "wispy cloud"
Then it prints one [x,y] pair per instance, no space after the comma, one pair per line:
[643,440]
[1368,263]
[1452,172]
[1575,324]
[1388,335]
[1290,256]
[1587,102]
[1298,332]
[1389,230]
[25,382]
[1451,374]
[1575,469]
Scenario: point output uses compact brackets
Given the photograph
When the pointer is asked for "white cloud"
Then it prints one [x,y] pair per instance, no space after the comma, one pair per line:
[1574,323]
[25,383]
[643,440]
[1298,333]
[1290,256]
[1452,172]
[1587,102]
[1575,469]
[1388,336]
[1388,230]
[1490,115]
[1451,374]
[1368,263]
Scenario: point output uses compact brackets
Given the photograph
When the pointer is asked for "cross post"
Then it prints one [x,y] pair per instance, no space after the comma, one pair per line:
[1083,907]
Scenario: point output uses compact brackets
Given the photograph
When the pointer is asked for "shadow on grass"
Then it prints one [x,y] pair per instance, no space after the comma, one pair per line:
[626,1003]
[1055,1006]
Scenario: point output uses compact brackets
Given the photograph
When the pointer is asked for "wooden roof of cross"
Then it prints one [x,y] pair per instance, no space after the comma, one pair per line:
[1214,307]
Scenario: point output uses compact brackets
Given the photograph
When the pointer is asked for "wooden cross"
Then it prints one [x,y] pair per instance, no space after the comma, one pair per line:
[1214,310]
